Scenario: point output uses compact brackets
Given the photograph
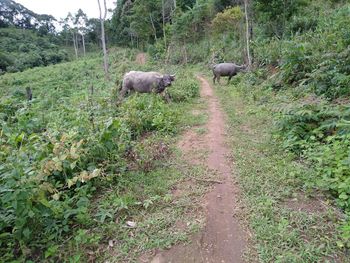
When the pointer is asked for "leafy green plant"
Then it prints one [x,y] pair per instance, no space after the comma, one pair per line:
[184,90]
[303,125]
[332,165]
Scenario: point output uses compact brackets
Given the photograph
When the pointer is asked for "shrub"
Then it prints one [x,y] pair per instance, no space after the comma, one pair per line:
[147,112]
[300,24]
[311,121]
[297,61]
[332,75]
[184,90]
[267,51]
[331,161]
[5,62]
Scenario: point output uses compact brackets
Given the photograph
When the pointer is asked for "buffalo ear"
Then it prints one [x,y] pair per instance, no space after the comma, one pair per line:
[172,77]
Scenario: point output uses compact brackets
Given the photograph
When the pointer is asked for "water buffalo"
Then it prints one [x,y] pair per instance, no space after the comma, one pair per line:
[227,70]
[145,82]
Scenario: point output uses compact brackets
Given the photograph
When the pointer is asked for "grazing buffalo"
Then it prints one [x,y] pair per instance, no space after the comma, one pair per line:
[227,70]
[145,82]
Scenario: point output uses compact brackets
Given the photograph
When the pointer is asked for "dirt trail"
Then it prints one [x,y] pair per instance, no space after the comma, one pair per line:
[223,239]
[141,58]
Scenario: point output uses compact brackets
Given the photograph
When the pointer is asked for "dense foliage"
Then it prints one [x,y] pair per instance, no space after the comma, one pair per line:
[57,148]
[173,29]
[311,76]
[22,49]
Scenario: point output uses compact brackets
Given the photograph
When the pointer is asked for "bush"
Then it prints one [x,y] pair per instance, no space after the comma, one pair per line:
[332,165]
[310,122]
[300,24]
[184,90]
[267,51]
[297,61]
[5,62]
[147,112]
[331,78]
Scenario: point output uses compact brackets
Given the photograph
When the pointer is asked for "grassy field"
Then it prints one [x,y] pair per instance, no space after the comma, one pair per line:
[84,178]
[291,222]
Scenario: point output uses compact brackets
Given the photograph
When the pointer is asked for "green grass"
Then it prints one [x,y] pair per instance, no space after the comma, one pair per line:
[162,218]
[164,203]
[74,162]
[269,180]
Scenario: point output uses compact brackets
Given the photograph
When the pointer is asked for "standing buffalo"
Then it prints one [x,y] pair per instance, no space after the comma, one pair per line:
[145,82]
[227,70]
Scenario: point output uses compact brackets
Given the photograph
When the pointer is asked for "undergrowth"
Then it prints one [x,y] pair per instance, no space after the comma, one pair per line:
[59,149]
[305,84]
[289,219]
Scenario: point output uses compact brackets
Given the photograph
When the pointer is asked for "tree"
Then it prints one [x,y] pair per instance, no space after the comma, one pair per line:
[228,20]
[81,24]
[69,24]
[247,32]
[275,14]
[93,30]
[146,27]
[103,39]
[65,32]
[120,25]
[46,25]
[229,23]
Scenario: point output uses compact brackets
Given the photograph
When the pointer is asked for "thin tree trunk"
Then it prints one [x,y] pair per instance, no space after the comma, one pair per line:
[103,39]
[75,46]
[163,15]
[185,59]
[247,32]
[251,38]
[154,28]
[167,55]
[29,93]
[82,37]
[76,41]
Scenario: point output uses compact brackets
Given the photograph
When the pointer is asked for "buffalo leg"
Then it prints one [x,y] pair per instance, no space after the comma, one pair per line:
[123,93]
[214,79]
[166,96]
[228,81]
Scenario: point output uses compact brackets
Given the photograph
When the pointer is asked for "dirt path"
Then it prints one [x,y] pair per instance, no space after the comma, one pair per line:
[223,239]
[141,58]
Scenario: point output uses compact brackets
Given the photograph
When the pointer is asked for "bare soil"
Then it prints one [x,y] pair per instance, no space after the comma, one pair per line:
[223,239]
[141,58]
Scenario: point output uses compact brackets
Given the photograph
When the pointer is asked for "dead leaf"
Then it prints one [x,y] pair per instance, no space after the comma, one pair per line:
[131,224]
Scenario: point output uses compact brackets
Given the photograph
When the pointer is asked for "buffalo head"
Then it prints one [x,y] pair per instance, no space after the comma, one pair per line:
[167,79]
